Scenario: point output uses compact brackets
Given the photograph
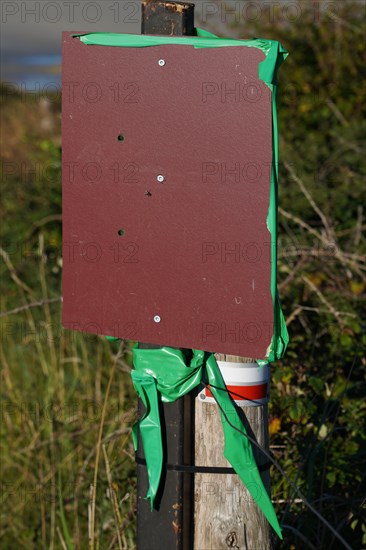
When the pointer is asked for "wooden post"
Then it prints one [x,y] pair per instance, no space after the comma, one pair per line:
[170,526]
[167,18]
[225,514]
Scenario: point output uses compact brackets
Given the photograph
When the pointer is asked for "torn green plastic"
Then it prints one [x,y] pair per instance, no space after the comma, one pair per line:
[165,374]
[272,49]
[267,71]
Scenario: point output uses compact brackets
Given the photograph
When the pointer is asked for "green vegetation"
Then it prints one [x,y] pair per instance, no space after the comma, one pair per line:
[54,382]
[317,406]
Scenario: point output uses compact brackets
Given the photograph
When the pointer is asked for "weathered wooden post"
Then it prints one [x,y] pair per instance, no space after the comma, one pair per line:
[225,514]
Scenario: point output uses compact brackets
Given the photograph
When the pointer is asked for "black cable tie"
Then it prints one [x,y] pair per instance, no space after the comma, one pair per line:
[201,469]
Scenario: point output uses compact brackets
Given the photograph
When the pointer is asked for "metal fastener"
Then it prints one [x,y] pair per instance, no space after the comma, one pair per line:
[160,178]
[157,319]
[161,62]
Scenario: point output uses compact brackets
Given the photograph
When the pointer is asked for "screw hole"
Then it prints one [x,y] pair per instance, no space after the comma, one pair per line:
[121,232]
[120,137]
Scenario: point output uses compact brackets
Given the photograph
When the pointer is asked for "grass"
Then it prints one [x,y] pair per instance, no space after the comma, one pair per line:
[66,451]
[56,417]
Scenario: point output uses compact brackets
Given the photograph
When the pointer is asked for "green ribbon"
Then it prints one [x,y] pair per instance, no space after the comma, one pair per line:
[165,374]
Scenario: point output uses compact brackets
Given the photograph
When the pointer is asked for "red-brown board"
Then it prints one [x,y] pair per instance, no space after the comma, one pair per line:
[195,250]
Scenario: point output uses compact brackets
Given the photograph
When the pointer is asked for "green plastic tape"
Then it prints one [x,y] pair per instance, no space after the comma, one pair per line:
[165,374]
[275,53]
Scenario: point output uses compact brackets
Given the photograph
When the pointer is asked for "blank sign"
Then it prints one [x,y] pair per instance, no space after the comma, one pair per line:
[167,154]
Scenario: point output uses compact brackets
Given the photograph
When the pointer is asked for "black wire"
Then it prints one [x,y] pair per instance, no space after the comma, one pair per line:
[279,468]
[199,469]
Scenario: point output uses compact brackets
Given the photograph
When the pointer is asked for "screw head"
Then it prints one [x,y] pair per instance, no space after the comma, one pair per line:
[162,62]
[157,319]
[160,178]
[202,396]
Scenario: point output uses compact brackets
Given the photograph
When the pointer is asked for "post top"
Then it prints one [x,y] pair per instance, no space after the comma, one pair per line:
[178,6]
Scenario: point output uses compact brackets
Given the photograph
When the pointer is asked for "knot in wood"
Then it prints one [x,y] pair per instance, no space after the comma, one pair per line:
[232,540]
